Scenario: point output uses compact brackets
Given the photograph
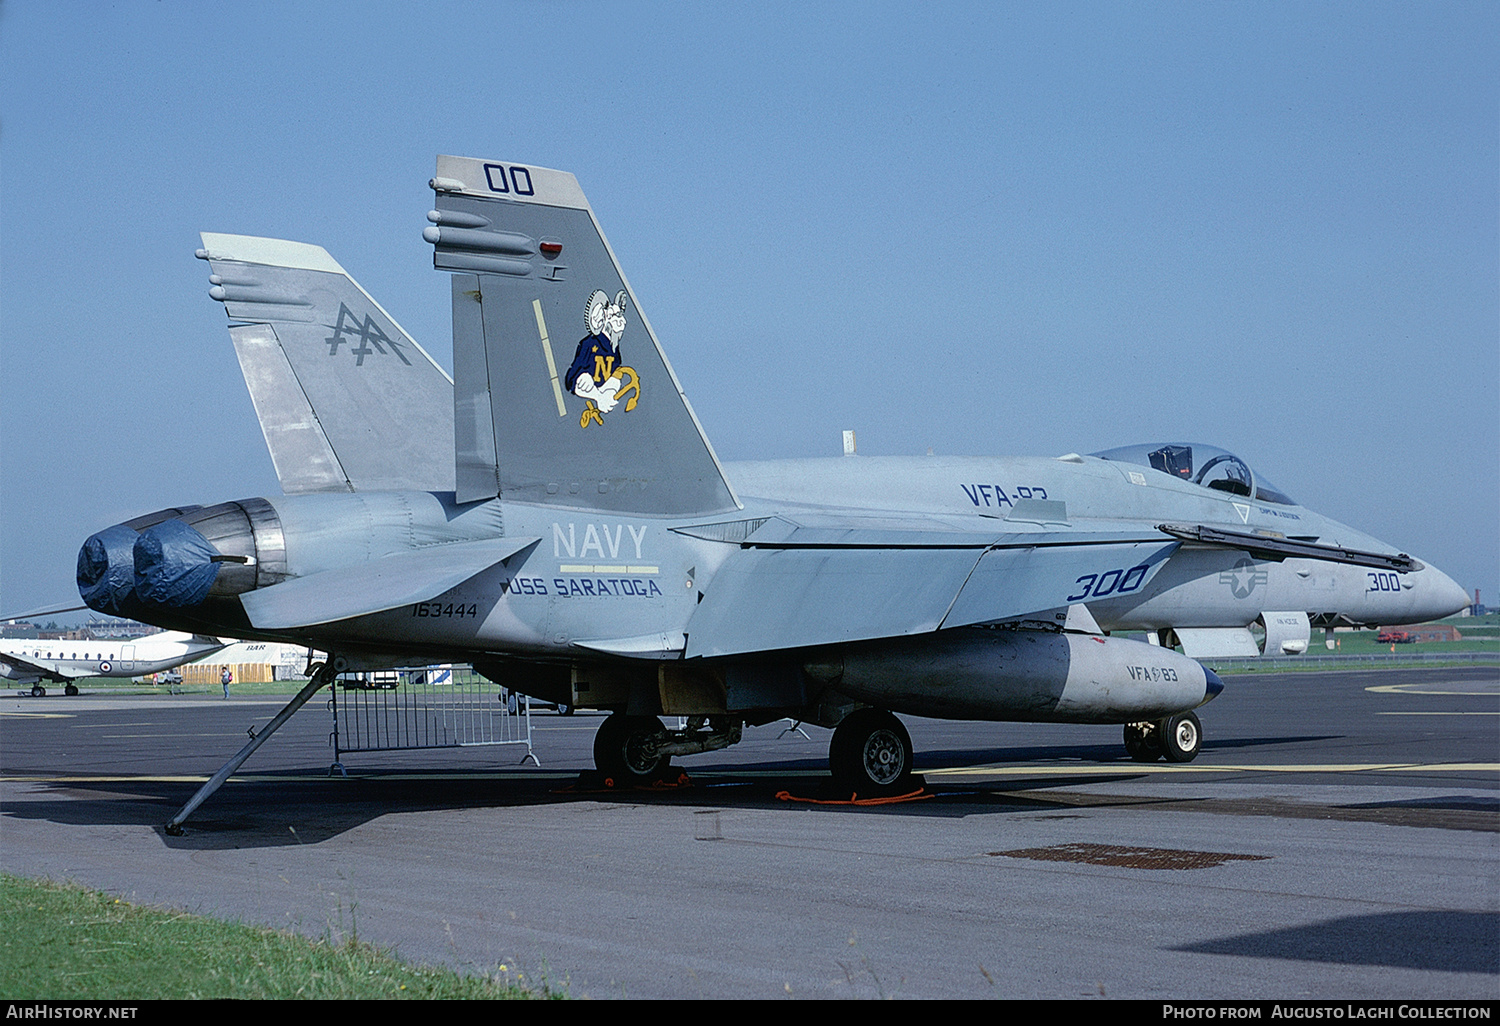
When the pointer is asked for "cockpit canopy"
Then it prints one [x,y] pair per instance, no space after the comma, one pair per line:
[1205,465]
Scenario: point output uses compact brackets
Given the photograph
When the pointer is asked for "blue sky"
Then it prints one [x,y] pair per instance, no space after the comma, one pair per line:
[978,228]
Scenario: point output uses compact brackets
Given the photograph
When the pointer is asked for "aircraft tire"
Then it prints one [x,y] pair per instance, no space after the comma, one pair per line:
[870,753]
[37,691]
[1141,742]
[1180,737]
[619,749]
[71,689]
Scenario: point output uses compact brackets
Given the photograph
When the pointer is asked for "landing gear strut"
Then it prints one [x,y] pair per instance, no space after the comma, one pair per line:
[626,748]
[871,753]
[1178,738]
[632,750]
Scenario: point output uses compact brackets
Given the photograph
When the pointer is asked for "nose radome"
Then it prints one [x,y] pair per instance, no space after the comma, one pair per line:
[1212,685]
[1438,595]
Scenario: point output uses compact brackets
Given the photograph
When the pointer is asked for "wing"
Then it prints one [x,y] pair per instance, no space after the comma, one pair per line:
[347,401]
[803,582]
[16,668]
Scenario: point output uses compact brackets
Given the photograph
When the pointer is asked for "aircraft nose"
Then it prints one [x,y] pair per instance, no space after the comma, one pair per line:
[1438,594]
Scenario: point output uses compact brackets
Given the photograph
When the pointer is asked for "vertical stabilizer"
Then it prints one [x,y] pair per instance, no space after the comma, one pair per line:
[347,401]
[562,394]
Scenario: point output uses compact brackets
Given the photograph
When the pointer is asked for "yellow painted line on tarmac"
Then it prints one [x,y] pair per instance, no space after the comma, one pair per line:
[1146,767]
[1419,688]
[1477,712]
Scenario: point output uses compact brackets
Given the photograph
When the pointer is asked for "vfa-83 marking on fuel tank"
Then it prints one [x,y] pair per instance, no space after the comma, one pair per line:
[520,543]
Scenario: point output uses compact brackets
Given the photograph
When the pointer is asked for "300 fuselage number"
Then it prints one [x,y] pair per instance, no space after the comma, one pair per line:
[1111,582]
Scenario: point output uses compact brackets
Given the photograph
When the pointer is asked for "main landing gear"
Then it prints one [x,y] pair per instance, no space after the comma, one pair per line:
[633,750]
[38,690]
[627,749]
[871,753]
[1178,738]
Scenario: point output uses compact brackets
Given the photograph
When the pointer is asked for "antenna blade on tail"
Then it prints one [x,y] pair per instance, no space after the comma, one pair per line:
[562,394]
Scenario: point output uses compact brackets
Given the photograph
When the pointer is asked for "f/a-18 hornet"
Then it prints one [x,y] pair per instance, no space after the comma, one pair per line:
[555,516]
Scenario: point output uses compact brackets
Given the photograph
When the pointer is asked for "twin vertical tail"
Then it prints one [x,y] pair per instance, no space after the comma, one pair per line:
[562,395]
[347,401]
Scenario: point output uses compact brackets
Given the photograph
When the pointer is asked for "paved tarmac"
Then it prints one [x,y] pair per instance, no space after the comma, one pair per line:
[1336,839]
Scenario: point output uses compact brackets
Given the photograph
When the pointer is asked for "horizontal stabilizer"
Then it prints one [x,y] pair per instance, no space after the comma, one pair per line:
[51,610]
[376,586]
[346,399]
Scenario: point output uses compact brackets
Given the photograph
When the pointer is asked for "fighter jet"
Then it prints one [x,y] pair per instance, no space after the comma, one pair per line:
[35,662]
[555,515]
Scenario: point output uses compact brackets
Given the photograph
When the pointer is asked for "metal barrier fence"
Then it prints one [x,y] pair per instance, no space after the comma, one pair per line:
[435,707]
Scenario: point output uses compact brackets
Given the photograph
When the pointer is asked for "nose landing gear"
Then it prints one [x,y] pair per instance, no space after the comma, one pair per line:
[1177,738]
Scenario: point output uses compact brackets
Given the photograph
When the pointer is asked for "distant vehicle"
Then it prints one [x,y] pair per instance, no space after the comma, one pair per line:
[1395,637]
[34,662]
[171,678]
[387,680]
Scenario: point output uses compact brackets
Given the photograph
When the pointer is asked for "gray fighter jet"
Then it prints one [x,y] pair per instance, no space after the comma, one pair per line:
[555,516]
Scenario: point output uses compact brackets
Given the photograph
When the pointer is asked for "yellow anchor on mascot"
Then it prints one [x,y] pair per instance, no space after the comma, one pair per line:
[596,375]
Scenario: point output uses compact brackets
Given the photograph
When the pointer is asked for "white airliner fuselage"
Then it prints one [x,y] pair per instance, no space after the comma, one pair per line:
[33,662]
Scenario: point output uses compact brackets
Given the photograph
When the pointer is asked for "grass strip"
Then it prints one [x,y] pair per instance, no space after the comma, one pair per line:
[64,942]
